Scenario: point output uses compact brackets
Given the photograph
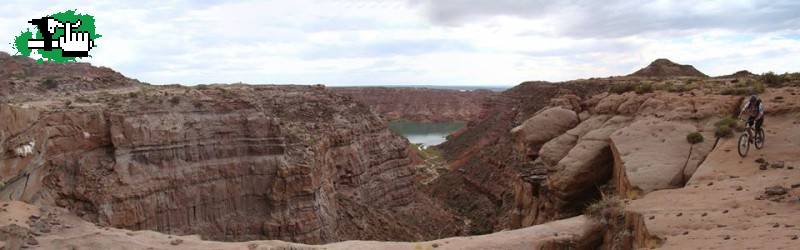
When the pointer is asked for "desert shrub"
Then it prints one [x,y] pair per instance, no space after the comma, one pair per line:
[2,185]
[694,137]
[727,121]
[772,79]
[175,100]
[133,94]
[68,102]
[681,88]
[723,132]
[644,88]
[748,88]
[606,209]
[202,87]
[49,83]
[735,91]
[663,87]
[725,126]
[621,88]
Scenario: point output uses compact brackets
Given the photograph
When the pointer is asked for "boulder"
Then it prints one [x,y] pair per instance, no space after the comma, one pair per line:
[655,154]
[542,127]
[586,165]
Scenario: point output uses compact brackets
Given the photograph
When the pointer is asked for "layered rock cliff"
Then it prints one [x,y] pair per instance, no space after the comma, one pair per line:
[233,162]
[421,104]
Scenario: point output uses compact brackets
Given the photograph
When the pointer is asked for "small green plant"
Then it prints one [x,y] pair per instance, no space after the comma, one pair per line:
[694,137]
[606,209]
[50,83]
[644,88]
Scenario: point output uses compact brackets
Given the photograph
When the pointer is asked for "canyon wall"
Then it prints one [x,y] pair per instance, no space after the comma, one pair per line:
[228,162]
[485,165]
[546,151]
[421,104]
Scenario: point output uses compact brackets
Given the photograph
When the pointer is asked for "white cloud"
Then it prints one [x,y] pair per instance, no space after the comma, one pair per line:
[446,42]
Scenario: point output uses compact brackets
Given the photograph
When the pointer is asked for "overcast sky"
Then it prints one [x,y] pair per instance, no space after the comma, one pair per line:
[439,42]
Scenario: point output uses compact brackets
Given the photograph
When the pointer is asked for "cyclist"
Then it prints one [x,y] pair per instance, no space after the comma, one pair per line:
[754,109]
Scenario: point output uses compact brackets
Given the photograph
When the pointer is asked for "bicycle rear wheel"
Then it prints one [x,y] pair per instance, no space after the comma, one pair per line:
[759,139]
[744,144]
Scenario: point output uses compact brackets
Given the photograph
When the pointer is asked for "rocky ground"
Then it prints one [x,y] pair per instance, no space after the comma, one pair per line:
[733,202]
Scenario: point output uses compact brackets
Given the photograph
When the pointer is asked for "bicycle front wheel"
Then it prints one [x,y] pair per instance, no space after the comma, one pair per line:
[744,144]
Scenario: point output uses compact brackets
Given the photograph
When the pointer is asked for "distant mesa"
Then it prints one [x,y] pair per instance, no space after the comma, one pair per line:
[666,68]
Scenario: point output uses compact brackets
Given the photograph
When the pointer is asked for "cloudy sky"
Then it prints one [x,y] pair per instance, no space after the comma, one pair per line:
[439,42]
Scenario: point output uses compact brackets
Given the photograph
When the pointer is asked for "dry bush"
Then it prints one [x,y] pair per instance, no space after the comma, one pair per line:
[694,137]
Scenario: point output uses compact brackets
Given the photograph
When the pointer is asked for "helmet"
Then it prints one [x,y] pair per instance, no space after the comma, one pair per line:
[753,98]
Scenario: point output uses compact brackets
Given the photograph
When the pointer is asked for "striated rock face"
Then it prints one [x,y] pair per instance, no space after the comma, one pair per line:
[233,162]
[666,68]
[421,104]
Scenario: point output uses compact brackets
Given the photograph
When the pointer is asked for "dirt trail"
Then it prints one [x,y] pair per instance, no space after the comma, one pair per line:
[725,206]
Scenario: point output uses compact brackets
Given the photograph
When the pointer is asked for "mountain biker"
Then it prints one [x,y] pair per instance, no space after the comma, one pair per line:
[754,109]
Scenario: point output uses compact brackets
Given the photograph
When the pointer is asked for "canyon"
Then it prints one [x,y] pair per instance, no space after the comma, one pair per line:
[227,162]
[583,164]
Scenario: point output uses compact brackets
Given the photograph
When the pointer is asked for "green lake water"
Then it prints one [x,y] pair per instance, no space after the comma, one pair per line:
[427,134]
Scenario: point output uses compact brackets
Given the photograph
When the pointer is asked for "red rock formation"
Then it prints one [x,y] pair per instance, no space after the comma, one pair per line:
[421,104]
[484,162]
[232,162]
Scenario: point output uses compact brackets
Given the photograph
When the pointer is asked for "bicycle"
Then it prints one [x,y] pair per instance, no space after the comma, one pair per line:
[747,137]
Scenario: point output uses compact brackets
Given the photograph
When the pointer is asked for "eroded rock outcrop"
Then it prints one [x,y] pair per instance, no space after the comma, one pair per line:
[635,142]
[542,127]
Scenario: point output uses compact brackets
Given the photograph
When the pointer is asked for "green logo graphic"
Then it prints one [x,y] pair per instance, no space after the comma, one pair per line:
[60,37]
